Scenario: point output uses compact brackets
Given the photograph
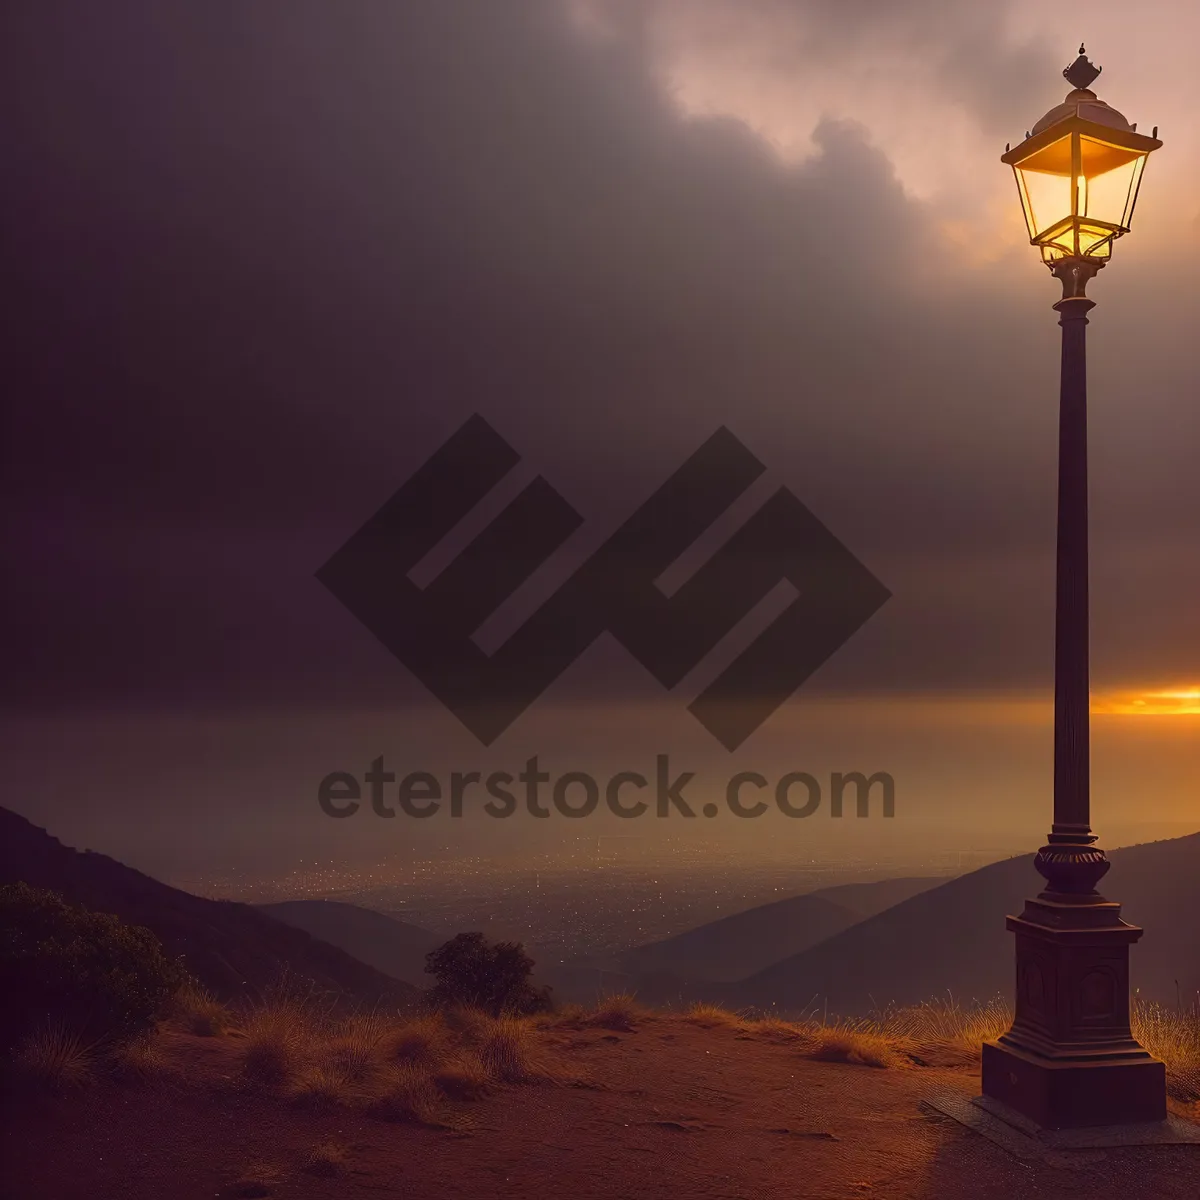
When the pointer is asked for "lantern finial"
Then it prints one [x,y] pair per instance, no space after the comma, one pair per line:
[1081,73]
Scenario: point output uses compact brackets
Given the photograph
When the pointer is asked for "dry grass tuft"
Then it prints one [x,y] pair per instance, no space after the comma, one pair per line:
[411,1097]
[946,1022]
[340,1063]
[423,1040]
[357,1062]
[569,1016]
[776,1028]
[55,1058]
[326,1159]
[850,1044]
[463,1077]
[256,1180]
[508,1051]
[141,1060]
[713,1016]
[1172,1034]
[357,1049]
[277,1041]
[469,1024]
[512,1052]
[196,1010]
[620,1012]
[322,1085]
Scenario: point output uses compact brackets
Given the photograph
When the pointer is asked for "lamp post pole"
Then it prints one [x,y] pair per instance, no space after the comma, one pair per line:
[1069,862]
[1072,815]
[1070,1059]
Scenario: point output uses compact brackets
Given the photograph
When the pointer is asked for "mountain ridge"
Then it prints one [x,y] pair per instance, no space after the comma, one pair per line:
[233,949]
[953,938]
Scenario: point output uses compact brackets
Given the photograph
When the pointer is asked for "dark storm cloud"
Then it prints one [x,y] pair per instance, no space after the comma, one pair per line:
[270,256]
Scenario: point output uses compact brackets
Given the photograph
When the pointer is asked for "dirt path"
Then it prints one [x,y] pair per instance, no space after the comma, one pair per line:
[674,1111]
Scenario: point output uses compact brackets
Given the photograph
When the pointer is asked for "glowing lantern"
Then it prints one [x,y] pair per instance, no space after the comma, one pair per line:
[1078,172]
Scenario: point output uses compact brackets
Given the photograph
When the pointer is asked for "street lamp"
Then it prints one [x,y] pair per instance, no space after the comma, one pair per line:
[1070,1058]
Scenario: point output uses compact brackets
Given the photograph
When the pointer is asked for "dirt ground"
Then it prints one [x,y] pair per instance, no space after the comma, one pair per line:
[669,1110]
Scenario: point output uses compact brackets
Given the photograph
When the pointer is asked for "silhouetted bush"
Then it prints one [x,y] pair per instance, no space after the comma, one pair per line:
[473,972]
[86,973]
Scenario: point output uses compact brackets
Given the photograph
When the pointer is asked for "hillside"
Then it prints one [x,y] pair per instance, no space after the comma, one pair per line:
[231,948]
[739,945]
[953,938]
[391,946]
[867,899]
[747,942]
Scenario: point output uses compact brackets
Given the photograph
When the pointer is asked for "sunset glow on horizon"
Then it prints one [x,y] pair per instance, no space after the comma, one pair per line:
[1182,701]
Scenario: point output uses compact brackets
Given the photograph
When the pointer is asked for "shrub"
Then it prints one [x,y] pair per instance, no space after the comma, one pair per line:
[89,973]
[474,972]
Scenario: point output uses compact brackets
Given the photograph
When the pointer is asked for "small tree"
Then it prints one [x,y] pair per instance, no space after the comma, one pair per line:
[494,977]
[89,973]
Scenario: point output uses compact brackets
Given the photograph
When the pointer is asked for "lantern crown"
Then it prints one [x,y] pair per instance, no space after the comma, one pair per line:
[1081,73]
[1087,106]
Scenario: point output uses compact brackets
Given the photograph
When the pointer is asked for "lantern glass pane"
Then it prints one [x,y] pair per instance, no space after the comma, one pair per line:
[1138,167]
[1062,239]
[1109,175]
[1079,243]
[1095,241]
[1046,197]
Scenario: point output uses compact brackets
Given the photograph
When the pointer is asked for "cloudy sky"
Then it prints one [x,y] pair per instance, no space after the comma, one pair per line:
[269,256]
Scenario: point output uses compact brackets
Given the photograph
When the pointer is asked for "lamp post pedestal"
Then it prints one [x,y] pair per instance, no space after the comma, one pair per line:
[1070,1059]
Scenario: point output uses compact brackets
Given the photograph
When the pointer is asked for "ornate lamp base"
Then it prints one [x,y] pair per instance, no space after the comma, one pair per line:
[1070,1059]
